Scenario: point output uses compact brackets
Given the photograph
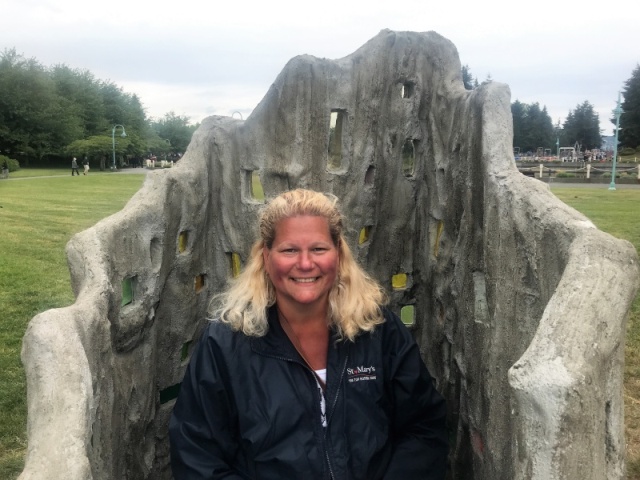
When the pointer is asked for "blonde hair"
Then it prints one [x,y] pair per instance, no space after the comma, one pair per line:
[354,299]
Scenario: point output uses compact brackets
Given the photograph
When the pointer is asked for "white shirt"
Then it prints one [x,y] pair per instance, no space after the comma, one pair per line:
[323,405]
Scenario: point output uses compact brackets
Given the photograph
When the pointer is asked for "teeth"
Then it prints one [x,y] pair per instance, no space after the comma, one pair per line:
[305,280]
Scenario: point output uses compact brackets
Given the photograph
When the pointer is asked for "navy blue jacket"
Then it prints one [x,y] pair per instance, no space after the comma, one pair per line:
[249,408]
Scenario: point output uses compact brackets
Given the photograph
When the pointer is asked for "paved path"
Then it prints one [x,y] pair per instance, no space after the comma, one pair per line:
[601,186]
[127,171]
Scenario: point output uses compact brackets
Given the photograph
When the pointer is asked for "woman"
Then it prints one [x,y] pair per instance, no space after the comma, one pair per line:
[304,375]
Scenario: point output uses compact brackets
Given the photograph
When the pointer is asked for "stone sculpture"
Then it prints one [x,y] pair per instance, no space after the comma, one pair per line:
[518,302]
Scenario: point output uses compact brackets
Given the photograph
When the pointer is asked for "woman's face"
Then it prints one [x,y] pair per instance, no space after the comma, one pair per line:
[302,263]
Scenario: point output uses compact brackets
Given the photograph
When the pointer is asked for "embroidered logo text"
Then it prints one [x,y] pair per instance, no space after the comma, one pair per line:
[361,374]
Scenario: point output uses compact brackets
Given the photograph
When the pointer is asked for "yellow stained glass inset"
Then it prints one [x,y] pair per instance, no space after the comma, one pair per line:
[199,282]
[183,241]
[438,235]
[399,281]
[364,235]
[236,265]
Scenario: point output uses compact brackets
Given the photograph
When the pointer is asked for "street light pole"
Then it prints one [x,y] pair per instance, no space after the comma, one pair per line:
[113,143]
[617,112]
[558,140]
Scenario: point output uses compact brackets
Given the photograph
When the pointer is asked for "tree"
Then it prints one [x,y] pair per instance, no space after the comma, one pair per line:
[47,113]
[532,127]
[176,129]
[582,126]
[34,119]
[467,78]
[629,133]
[83,93]
[98,147]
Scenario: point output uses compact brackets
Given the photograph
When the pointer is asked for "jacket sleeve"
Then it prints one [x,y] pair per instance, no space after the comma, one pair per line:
[418,430]
[201,430]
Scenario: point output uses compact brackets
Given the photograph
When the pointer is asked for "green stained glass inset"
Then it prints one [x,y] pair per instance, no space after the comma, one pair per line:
[257,192]
[408,315]
[127,291]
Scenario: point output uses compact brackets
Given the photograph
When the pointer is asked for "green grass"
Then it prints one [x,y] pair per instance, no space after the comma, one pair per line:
[55,172]
[38,217]
[39,172]
[618,213]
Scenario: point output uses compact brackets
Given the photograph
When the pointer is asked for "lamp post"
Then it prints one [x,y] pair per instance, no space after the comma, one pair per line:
[617,112]
[113,143]
[558,140]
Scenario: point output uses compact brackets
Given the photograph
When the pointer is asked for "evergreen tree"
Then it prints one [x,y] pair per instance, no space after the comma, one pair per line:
[629,133]
[467,78]
[582,126]
[532,127]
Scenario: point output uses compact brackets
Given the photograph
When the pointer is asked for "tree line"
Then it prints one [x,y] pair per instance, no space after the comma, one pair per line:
[50,114]
[533,127]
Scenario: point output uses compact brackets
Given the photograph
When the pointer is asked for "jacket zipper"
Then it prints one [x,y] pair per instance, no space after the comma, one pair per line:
[324,434]
[330,414]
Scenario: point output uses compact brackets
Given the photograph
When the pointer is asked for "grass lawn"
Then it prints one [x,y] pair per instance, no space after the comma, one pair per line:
[39,172]
[55,172]
[38,216]
[618,213]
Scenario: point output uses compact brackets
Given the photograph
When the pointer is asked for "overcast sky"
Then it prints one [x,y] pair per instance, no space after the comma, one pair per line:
[204,57]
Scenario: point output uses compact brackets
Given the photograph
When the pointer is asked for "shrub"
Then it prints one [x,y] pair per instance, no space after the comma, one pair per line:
[14,165]
[565,175]
[627,151]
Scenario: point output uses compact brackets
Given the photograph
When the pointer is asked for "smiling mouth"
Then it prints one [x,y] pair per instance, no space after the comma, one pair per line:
[305,280]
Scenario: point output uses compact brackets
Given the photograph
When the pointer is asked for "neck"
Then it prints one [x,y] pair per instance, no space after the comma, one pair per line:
[300,319]
[308,314]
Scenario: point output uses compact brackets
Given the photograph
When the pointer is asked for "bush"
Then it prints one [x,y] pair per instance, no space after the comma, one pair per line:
[14,165]
[565,175]
[627,151]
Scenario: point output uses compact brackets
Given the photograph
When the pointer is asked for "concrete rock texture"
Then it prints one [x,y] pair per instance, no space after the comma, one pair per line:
[520,303]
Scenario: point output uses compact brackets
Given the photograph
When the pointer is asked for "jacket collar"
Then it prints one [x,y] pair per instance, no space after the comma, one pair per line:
[275,342]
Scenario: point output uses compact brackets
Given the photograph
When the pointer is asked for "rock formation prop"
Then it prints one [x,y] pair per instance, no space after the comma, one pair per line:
[518,302]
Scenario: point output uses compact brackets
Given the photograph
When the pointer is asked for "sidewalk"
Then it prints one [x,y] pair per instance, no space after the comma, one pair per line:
[125,171]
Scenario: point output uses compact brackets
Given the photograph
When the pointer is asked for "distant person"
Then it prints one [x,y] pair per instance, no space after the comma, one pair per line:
[85,164]
[5,169]
[74,167]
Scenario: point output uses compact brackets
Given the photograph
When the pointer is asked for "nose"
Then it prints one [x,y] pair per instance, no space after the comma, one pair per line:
[305,262]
